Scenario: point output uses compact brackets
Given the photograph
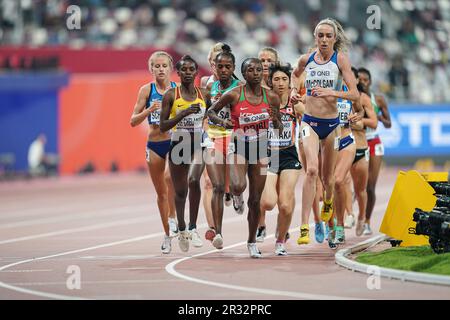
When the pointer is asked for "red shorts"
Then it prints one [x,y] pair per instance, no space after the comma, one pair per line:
[220,144]
[376,147]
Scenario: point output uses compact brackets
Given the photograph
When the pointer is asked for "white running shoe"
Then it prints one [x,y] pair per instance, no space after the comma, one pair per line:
[359,228]
[218,241]
[227,199]
[166,246]
[195,238]
[173,227]
[183,240]
[261,234]
[367,231]
[253,250]
[279,249]
[238,204]
[349,221]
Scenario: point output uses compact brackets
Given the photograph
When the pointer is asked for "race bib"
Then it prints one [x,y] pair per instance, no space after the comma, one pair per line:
[285,138]
[379,149]
[192,122]
[155,117]
[344,109]
[367,154]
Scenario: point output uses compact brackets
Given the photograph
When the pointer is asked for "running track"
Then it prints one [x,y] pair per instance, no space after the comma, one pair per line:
[109,226]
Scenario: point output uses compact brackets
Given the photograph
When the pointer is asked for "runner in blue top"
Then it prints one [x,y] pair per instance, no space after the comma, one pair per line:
[148,107]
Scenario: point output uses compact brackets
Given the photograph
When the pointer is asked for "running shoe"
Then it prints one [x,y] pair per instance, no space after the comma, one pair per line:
[327,231]
[238,204]
[195,238]
[183,240]
[367,231]
[331,236]
[339,235]
[166,246]
[280,249]
[319,232]
[210,234]
[349,221]
[359,227]
[218,241]
[327,210]
[228,200]
[253,250]
[304,234]
[260,234]
[173,227]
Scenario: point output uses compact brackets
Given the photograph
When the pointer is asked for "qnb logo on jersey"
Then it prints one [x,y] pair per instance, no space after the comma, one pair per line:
[320,73]
[253,118]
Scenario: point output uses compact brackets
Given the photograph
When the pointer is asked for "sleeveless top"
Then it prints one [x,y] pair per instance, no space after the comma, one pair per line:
[193,122]
[373,133]
[288,135]
[214,130]
[251,122]
[325,75]
[154,117]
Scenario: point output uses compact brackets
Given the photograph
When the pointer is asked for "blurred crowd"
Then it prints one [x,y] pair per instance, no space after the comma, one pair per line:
[408,55]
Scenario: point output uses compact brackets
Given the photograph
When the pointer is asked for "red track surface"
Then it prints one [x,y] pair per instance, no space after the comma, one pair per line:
[109,227]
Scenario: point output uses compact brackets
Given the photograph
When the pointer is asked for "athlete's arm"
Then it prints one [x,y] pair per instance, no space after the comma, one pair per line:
[299,68]
[385,116]
[229,98]
[274,102]
[165,123]
[358,111]
[139,111]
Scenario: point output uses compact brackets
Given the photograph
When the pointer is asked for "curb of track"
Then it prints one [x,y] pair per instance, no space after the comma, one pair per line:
[341,258]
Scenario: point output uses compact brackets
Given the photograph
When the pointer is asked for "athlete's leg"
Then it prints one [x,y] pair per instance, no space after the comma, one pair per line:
[286,201]
[156,167]
[329,155]
[216,172]
[179,174]
[344,163]
[360,175]
[195,173]
[170,191]
[310,142]
[207,199]
[374,171]
[257,180]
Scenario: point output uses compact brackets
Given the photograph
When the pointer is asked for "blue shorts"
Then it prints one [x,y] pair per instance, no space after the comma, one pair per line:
[323,127]
[345,142]
[161,148]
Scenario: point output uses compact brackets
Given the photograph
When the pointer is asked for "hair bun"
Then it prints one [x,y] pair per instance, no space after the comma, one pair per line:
[226,48]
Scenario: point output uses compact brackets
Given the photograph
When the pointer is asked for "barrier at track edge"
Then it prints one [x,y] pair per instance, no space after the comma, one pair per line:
[341,258]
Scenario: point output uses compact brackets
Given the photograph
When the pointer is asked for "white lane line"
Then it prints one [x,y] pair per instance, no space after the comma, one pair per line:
[64,297]
[63,283]
[26,271]
[170,268]
[81,229]
[59,296]
[110,244]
